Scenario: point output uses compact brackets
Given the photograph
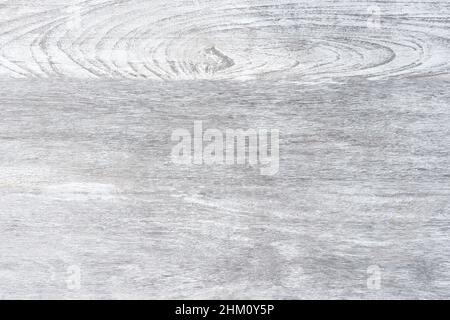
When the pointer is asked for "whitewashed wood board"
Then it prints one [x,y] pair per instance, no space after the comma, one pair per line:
[91,205]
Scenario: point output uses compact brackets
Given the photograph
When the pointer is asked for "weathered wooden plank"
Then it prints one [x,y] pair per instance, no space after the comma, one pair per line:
[93,206]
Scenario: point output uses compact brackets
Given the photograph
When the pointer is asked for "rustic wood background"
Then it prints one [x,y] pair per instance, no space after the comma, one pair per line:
[91,205]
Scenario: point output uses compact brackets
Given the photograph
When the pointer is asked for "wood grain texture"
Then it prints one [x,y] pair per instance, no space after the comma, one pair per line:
[87,185]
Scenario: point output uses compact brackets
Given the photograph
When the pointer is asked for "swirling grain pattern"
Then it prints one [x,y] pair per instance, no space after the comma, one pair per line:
[194,39]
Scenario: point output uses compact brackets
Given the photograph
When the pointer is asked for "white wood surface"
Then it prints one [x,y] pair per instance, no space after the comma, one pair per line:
[91,205]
